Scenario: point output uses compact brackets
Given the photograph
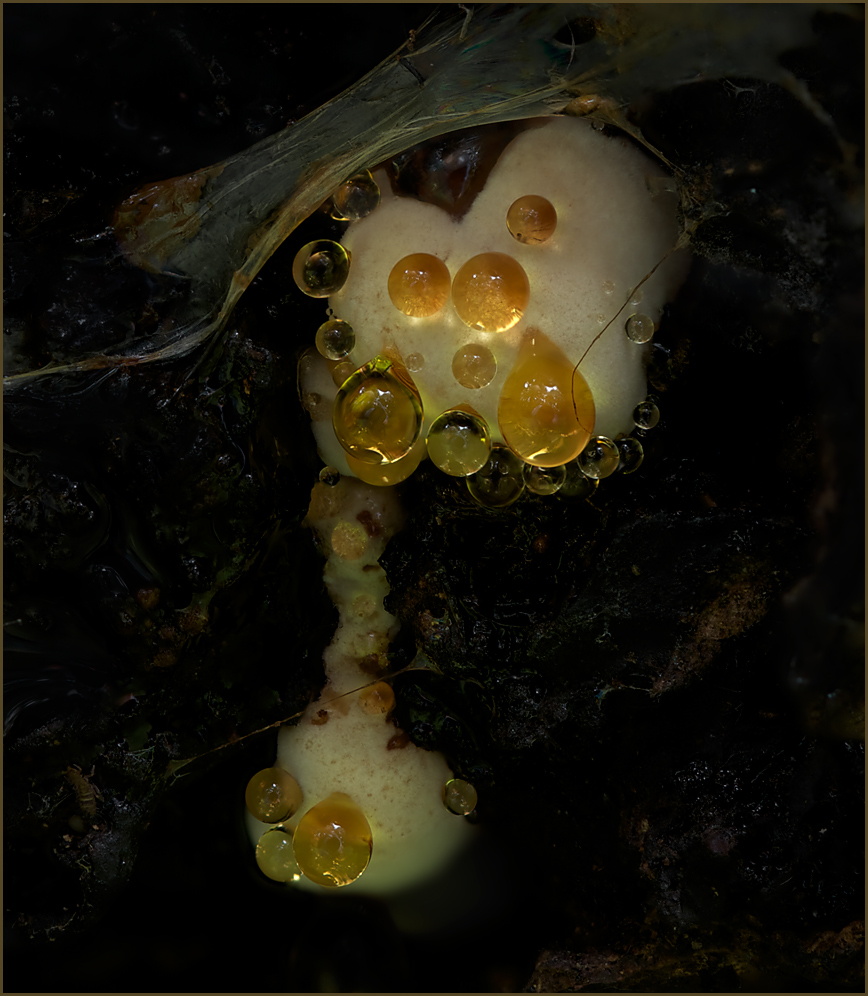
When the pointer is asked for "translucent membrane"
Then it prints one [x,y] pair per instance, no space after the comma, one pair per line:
[276,857]
[333,841]
[356,198]
[386,474]
[342,371]
[639,328]
[631,454]
[600,458]
[490,292]
[378,412]
[500,482]
[531,219]
[538,406]
[272,795]
[378,699]
[321,268]
[646,415]
[459,797]
[458,442]
[474,366]
[419,285]
[544,480]
[335,339]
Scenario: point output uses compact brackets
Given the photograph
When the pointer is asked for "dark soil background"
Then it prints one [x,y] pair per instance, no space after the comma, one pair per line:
[658,692]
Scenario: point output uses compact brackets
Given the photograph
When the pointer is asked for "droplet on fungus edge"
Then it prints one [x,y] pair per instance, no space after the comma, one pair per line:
[272,795]
[537,411]
[333,841]
[377,414]
[321,268]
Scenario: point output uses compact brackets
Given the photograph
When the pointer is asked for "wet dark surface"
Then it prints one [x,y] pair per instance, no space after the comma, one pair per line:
[658,693]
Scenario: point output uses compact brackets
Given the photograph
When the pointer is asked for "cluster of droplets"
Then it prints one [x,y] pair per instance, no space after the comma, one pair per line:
[546,411]
[504,478]
[332,843]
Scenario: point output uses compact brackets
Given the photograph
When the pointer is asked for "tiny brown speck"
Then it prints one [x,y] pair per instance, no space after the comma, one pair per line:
[399,741]
[370,524]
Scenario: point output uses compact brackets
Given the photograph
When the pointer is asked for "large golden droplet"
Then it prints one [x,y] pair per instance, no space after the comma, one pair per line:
[333,841]
[387,474]
[536,410]
[419,285]
[377,414]
[490,292]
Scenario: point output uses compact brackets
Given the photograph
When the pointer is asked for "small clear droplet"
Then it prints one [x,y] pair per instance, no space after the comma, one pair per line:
[632,455]
[500,482]
[335,339]
[646,415]
[544,480]
[276,857]
[356,198]
[458,442]
[415,362]
[608,287]
[321,268]
[577,485]
[599,458]
[639,328]
[474,366]
[377,414]
[330,476]
[459,797]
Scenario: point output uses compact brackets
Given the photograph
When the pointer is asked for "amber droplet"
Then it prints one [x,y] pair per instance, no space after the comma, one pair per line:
[646,415]
[500,482]
[458,442]
[544,480]
[356,198]
[531,219]
[378,412]
[490,292]
[639,328]
[631,454]
[321,268]
[538,406]
[335,339]
[459,797]
[275,856]
[386,474]
[419,285]
[333,841]
[600,457]
[474,366]
[272,795]
[378,699]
